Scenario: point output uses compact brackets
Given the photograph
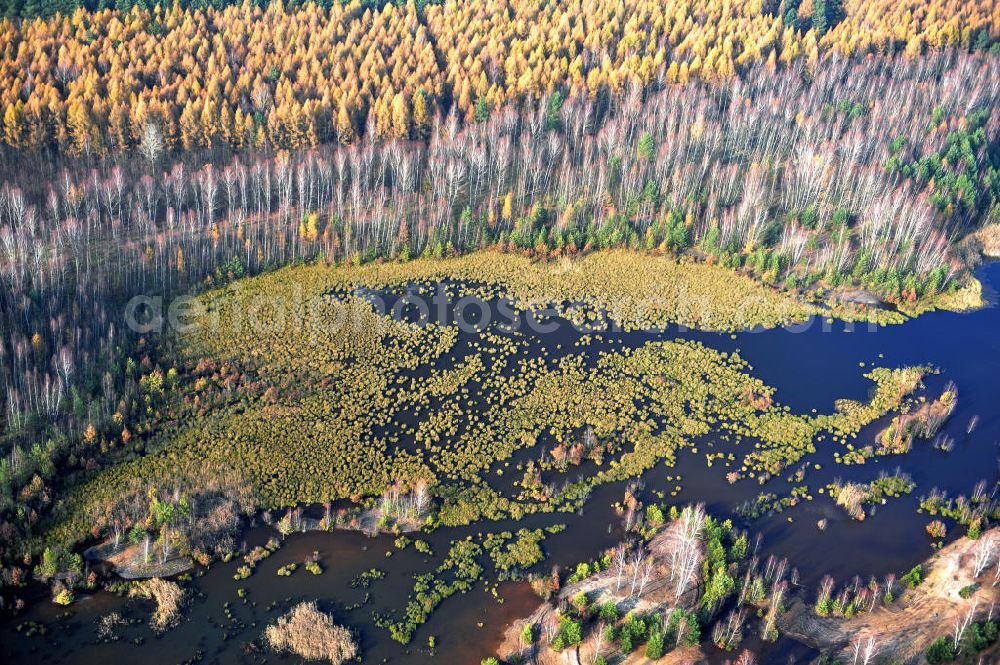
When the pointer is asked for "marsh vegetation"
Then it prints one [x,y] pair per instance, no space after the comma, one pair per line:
[328,387]
[318,397]
[305,381]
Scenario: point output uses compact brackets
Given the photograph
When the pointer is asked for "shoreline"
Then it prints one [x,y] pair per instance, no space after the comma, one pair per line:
[903,629]
[123,565]
[918,617]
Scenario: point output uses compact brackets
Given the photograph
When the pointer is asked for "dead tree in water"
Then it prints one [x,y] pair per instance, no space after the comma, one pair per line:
[769,632]
[727,634]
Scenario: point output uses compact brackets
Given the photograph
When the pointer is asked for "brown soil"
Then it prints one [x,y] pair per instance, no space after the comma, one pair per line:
[909,625]
[856,297]
[658,596]
[903,630]
[128,561]
[988,239]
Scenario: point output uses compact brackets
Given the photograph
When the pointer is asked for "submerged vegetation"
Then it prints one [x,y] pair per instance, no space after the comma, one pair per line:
[784,175]
[922,423]
[168,596]
[323,384]
[458,573]
[974,511]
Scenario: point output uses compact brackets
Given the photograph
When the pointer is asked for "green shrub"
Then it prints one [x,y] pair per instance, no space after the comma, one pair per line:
[913,578]
[940,651]
[570,632]
[654,647]
[967,591]
[609,612]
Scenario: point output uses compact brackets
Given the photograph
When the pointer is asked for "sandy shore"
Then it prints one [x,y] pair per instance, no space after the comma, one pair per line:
[902,630]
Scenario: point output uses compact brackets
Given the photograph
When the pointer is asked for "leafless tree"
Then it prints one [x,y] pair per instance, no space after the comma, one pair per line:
[865,650]
[685,550]
[621,563]
[599,643]
[775,601]
[962,624]
[728,634]
[151,144]
[983,554]
[647,571]
[728,161]
[637,560]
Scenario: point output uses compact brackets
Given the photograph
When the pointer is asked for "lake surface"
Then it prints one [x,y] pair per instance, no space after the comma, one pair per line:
[811,365]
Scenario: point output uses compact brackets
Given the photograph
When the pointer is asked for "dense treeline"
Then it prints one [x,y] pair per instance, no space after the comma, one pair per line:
[248,77]
[48,8]
[800,181]
[838,178]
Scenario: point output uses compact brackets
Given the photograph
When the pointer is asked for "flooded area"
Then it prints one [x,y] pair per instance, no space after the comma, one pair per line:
[812,365]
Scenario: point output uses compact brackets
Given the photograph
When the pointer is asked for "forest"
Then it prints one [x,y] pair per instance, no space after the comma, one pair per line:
[250,77]
[796,153]
[857,176]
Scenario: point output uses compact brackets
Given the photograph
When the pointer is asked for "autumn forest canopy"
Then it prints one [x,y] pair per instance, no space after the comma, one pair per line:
[248,76]
[804,156]
[811,145]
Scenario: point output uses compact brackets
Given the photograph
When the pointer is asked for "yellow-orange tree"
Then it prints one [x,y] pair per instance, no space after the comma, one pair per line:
[247,77]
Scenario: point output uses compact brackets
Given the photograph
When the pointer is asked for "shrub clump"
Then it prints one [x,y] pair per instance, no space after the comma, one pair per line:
[311,634]
[169,599]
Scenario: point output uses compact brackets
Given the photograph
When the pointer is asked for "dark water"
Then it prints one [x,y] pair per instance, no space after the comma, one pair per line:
[811,366]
